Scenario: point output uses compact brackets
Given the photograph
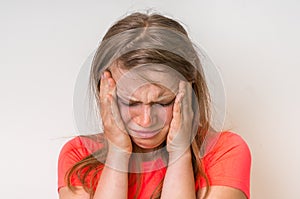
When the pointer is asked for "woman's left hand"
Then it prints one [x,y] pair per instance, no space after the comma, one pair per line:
[180,132]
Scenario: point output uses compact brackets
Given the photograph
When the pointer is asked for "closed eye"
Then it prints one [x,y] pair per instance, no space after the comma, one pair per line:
[168,103]
[129,103]
[136,103]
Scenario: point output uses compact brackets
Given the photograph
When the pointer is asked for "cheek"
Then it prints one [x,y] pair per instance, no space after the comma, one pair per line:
[168,114]
[124,112]
[128,113]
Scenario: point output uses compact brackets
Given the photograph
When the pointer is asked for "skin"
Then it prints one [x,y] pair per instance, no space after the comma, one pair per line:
[121,124]
[146,108]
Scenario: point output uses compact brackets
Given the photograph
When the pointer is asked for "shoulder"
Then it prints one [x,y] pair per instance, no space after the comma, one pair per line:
[229,162]
[74,151]
[231,144]
[81,146]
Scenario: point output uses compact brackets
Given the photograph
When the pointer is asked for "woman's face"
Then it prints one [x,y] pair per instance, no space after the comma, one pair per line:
[146,107]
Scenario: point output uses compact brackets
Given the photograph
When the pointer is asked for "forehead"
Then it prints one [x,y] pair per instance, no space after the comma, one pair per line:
[159,75]
[147,93]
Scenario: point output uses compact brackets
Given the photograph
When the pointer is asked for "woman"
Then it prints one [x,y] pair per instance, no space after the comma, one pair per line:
[155,107]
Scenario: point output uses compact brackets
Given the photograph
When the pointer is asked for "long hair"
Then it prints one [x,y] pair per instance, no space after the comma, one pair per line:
[136,40]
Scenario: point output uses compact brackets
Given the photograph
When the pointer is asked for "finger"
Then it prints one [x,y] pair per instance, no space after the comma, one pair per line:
[187,99]
[106,91]
[103,87]
[177,108]
[181,90]
[187,111]
[115,112]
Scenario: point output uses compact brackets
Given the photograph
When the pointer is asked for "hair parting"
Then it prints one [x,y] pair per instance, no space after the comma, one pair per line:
[185,61]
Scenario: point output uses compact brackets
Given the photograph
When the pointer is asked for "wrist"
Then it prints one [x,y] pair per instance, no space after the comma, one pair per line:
[184,155]
[117,159]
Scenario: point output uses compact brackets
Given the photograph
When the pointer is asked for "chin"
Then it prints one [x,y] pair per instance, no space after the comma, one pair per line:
[148,145]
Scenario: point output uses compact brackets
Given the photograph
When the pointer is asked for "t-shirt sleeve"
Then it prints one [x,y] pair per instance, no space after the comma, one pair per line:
[72,152]
[229,163]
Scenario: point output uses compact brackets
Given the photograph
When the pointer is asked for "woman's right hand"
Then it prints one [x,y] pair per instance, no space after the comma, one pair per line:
[114,128]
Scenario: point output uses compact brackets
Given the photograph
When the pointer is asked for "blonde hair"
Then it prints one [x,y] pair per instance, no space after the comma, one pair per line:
[136,40]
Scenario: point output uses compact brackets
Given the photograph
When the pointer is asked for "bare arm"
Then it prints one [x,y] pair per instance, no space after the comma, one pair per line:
[66,193]
[114,178]
[223,192]
[179,180]
[113,182]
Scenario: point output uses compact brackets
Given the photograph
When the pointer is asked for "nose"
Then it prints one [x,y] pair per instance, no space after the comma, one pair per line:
[145,116]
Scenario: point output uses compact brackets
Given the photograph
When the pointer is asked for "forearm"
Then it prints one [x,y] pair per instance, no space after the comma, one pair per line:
[114,177]
[179,180]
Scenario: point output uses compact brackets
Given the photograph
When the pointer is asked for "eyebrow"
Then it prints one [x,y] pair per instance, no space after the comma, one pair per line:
[162,99]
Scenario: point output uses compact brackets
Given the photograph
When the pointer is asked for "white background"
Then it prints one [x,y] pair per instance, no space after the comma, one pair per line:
[254,43]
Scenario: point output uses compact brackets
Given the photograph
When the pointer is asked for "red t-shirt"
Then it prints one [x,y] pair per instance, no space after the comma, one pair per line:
[226,164]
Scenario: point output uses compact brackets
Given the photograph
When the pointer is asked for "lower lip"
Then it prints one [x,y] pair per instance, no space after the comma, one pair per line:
[144,134]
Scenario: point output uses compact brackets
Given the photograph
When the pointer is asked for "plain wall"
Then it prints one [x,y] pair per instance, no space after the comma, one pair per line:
[255,45]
